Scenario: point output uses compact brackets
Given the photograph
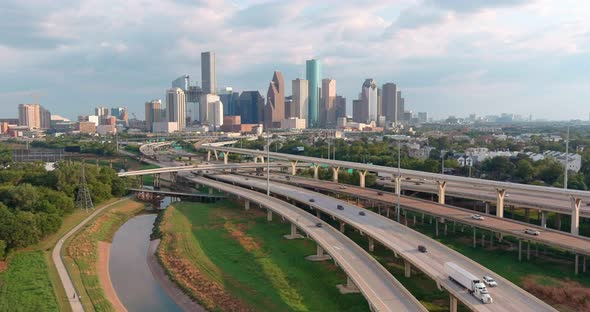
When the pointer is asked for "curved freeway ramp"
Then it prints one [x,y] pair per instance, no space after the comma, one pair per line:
[404,241]
[380,288]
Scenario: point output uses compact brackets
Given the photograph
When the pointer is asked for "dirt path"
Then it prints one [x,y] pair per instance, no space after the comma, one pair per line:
[102,270]
[175,293]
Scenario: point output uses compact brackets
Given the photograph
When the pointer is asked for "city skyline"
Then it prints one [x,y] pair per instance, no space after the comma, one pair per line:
[486,58]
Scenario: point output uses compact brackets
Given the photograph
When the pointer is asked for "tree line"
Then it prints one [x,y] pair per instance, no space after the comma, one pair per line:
[33,201]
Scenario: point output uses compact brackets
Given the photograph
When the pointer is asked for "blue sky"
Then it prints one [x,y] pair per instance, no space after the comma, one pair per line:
[451,57]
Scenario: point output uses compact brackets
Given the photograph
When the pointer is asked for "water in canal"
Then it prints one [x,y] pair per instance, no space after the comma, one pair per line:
[131,277]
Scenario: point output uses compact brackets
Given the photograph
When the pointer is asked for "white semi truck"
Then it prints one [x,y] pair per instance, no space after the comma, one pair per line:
[469,281]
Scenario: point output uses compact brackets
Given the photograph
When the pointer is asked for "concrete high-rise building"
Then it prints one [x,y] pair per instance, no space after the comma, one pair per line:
[423,117]
[313,73]
[328,108]
[299,106]
[389,100]
[29,115]
[208,73]
[215,114]
[251,107]
[192,95]
[182,82]
[176,107]
[101,111]
[340,107]
[400,106]
[153,113]
[379,103]
[45,118]
[274,111]
[369,99]
[288,106]
[205,106]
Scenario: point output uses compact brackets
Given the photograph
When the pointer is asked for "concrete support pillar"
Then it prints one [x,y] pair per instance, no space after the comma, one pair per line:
[371,244]
[319,256]
[398,185]
[335,174]
[442,185]
[216,155]
[487,208]
[544,219]
[342,226]
[156,181]
[500,193]
[318,213]
[349,287]
[414,223]
[452,303]
[209,155]
[246,205]
[558,220]
[527,215]
[436,227]
[316,174]
[474,234]
[362,175]
[268,215]
[407,268]
[225,157]
[111,163]
[294,167]
[293,234]
[576,203]
[576,264]
[492,239]
[528,250]
[210,189]
[261,159]
[584,264]
[519,250]
[445,229]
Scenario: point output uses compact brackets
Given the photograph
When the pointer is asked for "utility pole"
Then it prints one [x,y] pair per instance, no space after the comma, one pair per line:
[567,157]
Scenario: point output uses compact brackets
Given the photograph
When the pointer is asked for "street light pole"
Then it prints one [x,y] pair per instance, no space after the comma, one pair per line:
[268,162]
[442,157]
[399,176]
[567,157]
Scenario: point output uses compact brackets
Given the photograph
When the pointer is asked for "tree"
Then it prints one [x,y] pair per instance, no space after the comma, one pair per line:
[524,170]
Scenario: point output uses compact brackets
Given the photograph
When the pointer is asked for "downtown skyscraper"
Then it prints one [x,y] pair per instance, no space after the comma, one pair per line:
[299,106]
[208,73]
[313,73]
[328,107]
[176,107]
[275,102]
[389,102]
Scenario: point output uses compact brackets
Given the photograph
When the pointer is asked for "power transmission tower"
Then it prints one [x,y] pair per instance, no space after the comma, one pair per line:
[83,199]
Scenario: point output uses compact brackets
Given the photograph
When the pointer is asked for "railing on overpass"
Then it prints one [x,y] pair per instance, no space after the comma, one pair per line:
[574,196]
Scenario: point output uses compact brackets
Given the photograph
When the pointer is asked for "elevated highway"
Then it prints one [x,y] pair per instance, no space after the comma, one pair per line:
[576,244]
[379,287]
[404,241]
[536,196]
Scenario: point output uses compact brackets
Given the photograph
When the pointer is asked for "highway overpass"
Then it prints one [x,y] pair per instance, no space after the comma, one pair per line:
[403,241]
[578,245]
[379,287]
[536,194]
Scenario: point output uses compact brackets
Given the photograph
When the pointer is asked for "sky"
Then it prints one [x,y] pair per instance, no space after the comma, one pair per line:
[451,57]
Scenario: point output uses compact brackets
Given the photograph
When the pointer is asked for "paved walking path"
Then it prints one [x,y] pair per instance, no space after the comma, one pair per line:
[64,275]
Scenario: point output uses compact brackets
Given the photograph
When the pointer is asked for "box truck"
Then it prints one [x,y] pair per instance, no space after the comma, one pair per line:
[469,281]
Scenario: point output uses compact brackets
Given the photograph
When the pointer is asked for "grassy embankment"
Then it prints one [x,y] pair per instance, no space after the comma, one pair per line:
[80,252]
[229,259]
[31,280]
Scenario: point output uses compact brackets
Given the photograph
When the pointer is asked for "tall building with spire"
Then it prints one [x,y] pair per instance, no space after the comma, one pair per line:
[274,111]
[313,73]
[208,73]
[176,107]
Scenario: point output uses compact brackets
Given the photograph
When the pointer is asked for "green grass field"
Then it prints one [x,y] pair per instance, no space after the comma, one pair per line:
[26,286]
[251,259]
